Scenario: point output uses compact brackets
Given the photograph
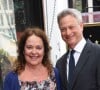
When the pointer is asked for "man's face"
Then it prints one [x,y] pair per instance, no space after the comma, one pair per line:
[71,30]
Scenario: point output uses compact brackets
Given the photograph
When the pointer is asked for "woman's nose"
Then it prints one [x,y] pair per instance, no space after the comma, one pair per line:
[33,51]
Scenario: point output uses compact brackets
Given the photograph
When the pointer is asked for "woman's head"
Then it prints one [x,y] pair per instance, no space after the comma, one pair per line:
[33,45]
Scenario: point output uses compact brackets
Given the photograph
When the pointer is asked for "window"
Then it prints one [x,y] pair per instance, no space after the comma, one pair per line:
[81,5]
[90,9]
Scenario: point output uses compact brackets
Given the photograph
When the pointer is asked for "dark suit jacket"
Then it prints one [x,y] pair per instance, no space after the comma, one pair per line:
[87,70]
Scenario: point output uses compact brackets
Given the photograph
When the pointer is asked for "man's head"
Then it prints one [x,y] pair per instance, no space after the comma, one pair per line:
[71,26]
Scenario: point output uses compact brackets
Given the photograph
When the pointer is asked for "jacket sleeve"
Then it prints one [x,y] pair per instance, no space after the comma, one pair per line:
[58,80]
[11,82]
[7,82]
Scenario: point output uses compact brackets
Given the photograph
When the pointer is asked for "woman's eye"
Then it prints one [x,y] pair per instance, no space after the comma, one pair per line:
[28,47]
[39,47]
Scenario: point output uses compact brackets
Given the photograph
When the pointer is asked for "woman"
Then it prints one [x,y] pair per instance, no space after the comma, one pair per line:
[33,69]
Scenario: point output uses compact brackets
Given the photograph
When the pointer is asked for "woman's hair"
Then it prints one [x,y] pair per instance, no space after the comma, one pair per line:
[19,65]
[70,11]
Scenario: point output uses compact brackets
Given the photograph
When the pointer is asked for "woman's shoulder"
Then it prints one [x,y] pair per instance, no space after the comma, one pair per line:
[11,81]
[11,75]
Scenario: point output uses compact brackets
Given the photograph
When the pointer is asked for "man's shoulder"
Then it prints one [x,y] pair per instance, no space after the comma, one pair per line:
[93,45]
[62,58]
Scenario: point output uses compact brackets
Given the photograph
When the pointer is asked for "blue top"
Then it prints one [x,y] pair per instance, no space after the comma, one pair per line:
[11,81]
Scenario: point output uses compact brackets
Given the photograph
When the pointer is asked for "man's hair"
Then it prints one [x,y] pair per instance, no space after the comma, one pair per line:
[70,11]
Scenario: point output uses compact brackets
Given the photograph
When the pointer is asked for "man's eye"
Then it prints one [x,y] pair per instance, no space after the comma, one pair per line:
[71,27]
[62,30]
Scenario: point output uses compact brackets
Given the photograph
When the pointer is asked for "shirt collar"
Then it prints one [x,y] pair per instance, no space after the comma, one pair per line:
[79,47]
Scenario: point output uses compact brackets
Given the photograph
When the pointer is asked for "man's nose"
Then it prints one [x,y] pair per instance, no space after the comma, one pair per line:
[68,31]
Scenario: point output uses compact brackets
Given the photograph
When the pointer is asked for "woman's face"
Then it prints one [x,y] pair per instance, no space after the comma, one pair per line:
[34,50]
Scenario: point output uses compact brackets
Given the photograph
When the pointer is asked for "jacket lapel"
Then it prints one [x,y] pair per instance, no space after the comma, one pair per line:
[82,60]
[64,70]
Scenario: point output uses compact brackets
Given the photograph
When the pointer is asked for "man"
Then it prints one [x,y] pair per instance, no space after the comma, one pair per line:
[86,74]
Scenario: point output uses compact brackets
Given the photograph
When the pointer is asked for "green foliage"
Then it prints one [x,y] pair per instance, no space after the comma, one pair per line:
[4,63]
[3,52]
